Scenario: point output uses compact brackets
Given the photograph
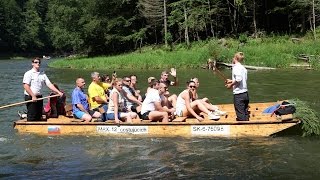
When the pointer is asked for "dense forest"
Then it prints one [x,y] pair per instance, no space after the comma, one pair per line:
[95,27]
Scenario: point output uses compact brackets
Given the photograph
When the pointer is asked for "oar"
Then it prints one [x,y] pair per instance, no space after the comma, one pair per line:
[24,102]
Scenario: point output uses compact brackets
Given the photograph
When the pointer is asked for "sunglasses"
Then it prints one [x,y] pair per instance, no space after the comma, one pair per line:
[37,62]
[192,86]
[128,80]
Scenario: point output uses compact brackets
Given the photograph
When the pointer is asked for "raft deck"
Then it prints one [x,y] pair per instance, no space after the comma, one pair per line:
[259,125]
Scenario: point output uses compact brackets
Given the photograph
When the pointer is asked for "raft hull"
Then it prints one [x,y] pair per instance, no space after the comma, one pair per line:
[259,125]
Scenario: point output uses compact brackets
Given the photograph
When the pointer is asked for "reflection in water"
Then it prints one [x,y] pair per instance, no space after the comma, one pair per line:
[26,156]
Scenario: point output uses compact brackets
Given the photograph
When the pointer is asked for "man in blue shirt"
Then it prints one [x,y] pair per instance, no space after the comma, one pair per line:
[80,105]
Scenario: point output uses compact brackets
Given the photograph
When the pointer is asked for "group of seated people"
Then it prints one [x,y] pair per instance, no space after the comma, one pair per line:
[118,99]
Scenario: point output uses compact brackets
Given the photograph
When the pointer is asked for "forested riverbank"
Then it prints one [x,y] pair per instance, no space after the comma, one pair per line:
[94,27]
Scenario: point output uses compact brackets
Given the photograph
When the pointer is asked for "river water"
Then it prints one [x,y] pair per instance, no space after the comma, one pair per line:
[26,156]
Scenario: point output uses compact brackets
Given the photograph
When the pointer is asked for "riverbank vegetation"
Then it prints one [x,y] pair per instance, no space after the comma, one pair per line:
[111,27]
[310,119]
[276,51]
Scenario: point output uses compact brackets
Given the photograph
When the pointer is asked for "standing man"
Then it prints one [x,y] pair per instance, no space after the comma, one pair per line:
[80,105]
[33,81]
[240,89]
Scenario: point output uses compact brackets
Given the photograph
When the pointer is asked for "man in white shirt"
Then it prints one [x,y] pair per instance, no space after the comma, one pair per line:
[151,106]
[240,89]
[33,80]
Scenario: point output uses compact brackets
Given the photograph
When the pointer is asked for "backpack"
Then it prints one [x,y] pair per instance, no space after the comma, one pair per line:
[285,108]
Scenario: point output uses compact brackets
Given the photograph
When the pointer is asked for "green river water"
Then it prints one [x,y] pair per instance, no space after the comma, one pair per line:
[29,156]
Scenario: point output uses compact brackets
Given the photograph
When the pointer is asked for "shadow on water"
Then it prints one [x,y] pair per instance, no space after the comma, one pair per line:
[286,155]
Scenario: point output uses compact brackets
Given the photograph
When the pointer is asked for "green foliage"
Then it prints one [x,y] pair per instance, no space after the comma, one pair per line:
[309,118]
[271,53]
[214,49]
[169,37]
[112,27]
[243,38]
[10,24]
[33,28]
[315,61]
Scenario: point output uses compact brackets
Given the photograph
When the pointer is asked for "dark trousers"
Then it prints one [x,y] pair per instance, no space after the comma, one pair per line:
[34,109]
[241,105]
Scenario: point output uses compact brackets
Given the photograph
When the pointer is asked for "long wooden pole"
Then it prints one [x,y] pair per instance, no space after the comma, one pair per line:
[24,102]
[220,74]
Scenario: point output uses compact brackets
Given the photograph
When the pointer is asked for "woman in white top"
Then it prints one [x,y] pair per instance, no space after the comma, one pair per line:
[116,107]
[186,106]
[205,100]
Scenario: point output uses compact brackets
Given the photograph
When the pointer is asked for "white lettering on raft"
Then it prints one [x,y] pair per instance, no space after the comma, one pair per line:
[123,129]
[210,130]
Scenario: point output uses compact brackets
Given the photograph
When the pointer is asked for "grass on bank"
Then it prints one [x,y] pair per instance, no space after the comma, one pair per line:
[278,52]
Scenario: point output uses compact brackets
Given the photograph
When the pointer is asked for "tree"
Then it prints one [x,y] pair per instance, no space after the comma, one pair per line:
[10,25]
[64,29]
[155,11]
[33,27]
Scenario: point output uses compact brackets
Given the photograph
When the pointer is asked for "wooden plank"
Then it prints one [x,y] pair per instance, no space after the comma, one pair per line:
[179,119]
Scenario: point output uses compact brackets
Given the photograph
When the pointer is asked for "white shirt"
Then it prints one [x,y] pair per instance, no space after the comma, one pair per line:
[35,80]
[239,74]
[148,103]
[120,102]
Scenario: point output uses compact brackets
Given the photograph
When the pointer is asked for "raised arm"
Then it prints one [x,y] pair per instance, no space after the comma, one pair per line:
[173,73]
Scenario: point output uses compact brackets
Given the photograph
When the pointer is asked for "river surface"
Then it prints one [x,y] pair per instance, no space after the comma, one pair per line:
[28,156]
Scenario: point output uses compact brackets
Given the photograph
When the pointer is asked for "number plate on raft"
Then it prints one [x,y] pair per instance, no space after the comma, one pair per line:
[123,129]
[210,130]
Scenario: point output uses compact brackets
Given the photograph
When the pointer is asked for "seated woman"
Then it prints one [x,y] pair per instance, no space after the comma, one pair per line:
[55,105]
[205,100]
[186,106]
[116,108]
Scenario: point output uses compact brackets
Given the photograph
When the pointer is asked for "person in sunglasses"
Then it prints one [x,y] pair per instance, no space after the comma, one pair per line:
[205,100]
[187,107]
[116,109]
[131,101]
[33,80]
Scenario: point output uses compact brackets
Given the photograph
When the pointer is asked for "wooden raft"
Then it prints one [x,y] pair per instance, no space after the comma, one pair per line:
[259,125]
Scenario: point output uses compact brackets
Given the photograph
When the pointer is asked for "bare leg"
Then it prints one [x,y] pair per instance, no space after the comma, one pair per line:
[86,118]
[197,106]
[173,100]
[209,106]
[158,116]
[96,114]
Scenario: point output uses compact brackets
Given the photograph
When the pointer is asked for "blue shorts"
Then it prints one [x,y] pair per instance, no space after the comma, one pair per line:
[110,116]
[79,114]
